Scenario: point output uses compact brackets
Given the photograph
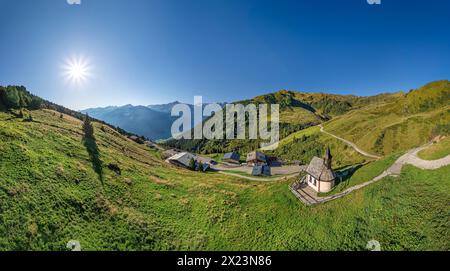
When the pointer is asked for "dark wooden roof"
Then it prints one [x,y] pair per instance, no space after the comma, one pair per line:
[183,158]
[318,170]
[232,156]
[261,171]
[256,156]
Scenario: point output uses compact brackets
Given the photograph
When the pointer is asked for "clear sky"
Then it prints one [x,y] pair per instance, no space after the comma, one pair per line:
[158,51]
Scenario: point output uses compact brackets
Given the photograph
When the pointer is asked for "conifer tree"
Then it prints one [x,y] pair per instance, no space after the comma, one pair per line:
[192,164]
[87,127]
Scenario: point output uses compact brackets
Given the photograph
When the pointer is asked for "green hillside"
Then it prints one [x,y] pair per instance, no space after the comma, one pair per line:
[298,111]
[302,146]
[320,104]
[382,124]
[409,121]
[427,98]
[437,150]
[110,193]
[18,97]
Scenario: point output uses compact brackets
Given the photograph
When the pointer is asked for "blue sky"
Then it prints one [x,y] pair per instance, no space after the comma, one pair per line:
[158,51]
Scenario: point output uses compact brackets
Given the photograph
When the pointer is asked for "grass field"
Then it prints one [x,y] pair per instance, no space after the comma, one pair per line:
[245,174]
[437,150]
[52,191]
[297,115]
[380,130]
[363,173]
[391,126]
[294,148]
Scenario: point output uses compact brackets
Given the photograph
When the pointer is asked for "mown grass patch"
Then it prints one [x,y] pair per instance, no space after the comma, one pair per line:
[437,150]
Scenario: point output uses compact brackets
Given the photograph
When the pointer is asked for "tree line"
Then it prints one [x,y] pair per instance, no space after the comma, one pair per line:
[18,98]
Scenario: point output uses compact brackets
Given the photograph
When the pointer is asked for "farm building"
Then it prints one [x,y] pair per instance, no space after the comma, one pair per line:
[256,158]
[149,144]
[153,145]
[261,170]
[202,167]
[206,160]
[169,153]
[320,175]
[182,159]
[232,157]
[137,139]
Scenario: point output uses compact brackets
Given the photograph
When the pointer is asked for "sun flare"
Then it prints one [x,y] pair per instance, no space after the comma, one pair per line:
[76,70]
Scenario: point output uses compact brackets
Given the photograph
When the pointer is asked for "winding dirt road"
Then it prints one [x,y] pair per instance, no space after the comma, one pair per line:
[351,144]
[412,158]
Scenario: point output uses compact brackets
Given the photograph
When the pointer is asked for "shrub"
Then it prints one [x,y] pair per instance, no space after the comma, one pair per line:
[115,168]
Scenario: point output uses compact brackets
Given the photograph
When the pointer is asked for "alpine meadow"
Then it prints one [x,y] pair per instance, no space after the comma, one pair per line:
[111,193]
[237,134]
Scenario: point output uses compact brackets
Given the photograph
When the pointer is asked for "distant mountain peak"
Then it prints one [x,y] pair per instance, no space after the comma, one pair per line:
[166,108]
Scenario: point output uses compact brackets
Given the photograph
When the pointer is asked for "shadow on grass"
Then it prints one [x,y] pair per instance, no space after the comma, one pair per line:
[347,174]
[90,143]
[342,180]
[94,155]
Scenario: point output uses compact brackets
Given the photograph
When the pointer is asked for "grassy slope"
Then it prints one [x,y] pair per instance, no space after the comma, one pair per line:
[343,154]
[377,130]
[295,115]
[50,194]
[399,125]
[394,212]
[298,110]
[437,150]
[432,95]
[365,173]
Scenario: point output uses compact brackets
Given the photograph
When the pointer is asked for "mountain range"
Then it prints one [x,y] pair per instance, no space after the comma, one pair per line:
[152,121]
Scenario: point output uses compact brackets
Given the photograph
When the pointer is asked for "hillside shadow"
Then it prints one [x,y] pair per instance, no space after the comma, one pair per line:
[345,175]
[90,143]
[94,156]
[307,107]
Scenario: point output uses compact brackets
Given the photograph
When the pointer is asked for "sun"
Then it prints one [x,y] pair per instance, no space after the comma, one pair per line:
[77,70]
